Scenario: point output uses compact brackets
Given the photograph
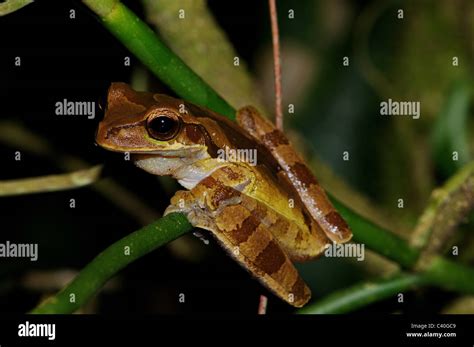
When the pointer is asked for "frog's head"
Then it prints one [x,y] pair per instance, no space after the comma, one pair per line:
[147,123]
[163,134]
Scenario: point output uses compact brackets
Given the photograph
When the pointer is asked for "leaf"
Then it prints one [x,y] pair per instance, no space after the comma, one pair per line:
[449,138]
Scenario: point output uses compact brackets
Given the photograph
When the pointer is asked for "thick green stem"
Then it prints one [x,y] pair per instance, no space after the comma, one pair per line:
[450,275]
[113,259]
[441,272]
[198,34]
[383,242]
[154,54]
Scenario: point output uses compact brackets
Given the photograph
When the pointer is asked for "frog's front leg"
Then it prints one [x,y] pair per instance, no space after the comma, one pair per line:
[295,171]
[217,190]
[235,220]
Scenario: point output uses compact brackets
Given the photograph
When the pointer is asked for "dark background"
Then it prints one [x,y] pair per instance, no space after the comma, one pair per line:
[77,60]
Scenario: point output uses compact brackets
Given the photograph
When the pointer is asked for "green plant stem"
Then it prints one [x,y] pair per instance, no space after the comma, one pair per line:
[112,260]
[200,34]
[450,275]
[362,294]
[448,206]
[440,272]
[383,242]
[50,183]
[154,54]
[10,6]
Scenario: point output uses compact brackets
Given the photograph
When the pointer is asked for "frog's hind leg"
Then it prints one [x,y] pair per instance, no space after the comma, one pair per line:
[296,173]
[242,234]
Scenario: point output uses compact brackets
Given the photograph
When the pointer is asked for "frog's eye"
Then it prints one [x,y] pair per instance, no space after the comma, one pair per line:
[163,127]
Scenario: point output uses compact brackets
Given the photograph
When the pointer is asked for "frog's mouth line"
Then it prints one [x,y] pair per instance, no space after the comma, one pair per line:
[156,155]
[169,155]
[159,154]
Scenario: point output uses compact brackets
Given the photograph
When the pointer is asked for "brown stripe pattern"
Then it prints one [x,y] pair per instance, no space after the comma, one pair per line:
[301,241]
[247,231]
[253,245]
[310,193]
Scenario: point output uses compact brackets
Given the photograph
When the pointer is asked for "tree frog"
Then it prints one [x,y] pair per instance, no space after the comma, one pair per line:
[266,213]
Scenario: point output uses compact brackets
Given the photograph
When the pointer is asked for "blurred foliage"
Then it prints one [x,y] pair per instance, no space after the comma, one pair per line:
[197,34]
[390,157]
[450,131]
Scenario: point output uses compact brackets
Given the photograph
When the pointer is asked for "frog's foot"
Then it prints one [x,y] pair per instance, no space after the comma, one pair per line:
[185,202]
[204,202]
[222,188]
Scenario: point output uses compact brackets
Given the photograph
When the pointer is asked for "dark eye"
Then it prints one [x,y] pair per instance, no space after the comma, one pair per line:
[163,127]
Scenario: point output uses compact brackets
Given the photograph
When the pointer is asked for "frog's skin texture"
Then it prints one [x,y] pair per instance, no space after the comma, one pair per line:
[265,215]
